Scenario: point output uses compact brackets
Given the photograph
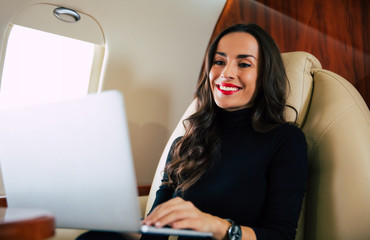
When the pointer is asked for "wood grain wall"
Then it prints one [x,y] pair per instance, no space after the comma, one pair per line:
[335,31]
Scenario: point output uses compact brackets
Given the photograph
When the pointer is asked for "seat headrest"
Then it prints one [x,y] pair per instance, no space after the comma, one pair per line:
[299,68]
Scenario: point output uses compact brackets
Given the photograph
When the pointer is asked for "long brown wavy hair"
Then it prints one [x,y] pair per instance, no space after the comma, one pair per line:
[195,152]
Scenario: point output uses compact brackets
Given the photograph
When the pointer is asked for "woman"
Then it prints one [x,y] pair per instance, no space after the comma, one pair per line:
[240,169]
[239,159]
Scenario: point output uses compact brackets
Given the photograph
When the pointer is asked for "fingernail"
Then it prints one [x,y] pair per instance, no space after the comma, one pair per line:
[157,224]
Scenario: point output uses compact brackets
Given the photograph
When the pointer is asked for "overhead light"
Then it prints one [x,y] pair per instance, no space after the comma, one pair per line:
[66,14]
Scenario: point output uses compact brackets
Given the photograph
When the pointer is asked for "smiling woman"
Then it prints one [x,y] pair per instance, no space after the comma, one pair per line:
[233,75]
[238,136]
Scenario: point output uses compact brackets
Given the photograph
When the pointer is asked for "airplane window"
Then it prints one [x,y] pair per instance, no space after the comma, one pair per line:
[45,68]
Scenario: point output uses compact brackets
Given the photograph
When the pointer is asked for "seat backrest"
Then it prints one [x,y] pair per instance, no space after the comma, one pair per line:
[337,129]
[336,123]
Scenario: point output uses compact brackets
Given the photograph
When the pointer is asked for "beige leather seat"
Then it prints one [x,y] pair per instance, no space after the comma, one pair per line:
[336,122]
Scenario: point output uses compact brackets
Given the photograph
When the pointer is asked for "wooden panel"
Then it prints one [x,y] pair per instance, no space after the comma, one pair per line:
[143,190]
[16,224]
[3,202]
[335,31]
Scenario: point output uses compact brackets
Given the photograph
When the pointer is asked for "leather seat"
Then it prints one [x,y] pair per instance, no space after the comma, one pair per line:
[336,123]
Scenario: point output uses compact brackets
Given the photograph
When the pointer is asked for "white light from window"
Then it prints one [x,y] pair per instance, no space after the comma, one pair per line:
[41,67]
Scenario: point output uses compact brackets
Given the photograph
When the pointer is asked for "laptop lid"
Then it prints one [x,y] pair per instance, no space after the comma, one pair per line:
[72,158]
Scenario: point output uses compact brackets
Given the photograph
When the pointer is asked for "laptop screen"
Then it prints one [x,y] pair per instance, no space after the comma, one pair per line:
[72,158]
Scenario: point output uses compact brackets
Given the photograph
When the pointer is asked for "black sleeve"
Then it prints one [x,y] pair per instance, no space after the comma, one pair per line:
[163,194]
[287,176]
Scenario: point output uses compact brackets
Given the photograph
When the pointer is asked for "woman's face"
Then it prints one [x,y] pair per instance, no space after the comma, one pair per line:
[234,71]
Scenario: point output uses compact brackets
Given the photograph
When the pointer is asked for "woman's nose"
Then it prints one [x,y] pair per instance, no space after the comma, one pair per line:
[228,72]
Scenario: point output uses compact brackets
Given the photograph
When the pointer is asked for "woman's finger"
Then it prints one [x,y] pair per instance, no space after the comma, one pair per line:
[164,209]
[173,217]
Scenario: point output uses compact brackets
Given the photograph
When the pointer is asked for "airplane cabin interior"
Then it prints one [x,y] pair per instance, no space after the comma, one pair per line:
[149,55]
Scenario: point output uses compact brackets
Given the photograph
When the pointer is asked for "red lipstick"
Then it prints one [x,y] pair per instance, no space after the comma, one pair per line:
[227,88]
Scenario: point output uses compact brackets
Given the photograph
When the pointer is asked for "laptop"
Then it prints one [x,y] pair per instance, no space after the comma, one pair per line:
[73,158]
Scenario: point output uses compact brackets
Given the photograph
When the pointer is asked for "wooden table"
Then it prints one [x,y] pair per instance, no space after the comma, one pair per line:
[31,224]
[25,224]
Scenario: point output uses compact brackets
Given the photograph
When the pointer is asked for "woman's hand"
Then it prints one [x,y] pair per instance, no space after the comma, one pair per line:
[181,214]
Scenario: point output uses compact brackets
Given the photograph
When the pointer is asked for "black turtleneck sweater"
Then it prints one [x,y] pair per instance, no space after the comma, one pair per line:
[259,180]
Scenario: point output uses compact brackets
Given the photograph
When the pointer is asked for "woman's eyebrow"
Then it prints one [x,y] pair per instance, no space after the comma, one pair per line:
[245,56]
[238,56]
[221,53]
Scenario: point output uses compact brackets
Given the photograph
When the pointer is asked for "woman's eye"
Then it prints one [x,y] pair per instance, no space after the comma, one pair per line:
[244,65]
[218,62]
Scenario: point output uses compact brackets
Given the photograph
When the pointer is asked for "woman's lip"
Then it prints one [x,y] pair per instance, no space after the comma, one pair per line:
[228,85]
[227,88]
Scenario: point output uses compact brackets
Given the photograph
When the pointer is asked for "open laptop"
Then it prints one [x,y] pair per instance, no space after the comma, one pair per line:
[73,158]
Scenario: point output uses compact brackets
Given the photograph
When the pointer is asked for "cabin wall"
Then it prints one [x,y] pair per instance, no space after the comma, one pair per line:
[335,31]
[153,55]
